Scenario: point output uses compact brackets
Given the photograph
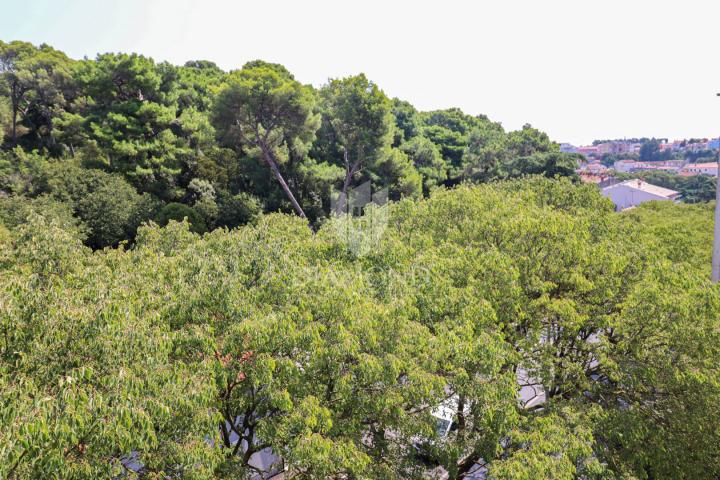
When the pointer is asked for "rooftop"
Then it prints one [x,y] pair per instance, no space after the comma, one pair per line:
[646,187]
[702,165]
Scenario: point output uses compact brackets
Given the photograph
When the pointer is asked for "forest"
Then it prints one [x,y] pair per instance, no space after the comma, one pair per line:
[121,140]
[178,298]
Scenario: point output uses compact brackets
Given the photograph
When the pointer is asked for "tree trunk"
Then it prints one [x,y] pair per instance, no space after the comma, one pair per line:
[278,176]
[349,172]
[15,97]
[342,199]
[225,434]
[14,124]
[716,243]
[461,415]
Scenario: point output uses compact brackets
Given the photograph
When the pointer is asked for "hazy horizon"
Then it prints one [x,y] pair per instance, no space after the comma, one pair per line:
[579,72]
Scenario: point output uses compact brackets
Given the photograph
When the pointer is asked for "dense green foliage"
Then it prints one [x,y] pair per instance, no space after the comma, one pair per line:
[235,315]
[650,152]
[255,139]
[335,358]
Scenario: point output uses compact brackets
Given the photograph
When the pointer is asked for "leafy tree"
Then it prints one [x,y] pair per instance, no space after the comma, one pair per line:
[396,171]
[552,164]
[4,119]
[701,155]
[360,117]
[316,181]
[486,151]
[451,144]
[408,124]
[557,446]
[18,210]
[16,80]
[35,80]
[698,188]
[559,338]
[678,233]
[542,301]
[427,161]
[650,151]
[264,108]
[202,197]
[199,81]
[88,378]
[20,172]
[565,340]
[180,212]
[492,155]
[155,124]
[528,141]
[108,205]
[132,117]
[70,129]
[113,212]
[464,141]
[672,407]
[448,129]
[237,210]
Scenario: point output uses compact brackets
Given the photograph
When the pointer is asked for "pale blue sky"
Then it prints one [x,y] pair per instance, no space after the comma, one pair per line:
[577,69]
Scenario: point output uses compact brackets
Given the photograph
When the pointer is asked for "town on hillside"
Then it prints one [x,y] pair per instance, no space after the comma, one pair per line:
[633,171]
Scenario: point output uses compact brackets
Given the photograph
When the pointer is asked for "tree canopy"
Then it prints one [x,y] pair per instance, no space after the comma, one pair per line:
[178,300]
[257,136]
[566,336]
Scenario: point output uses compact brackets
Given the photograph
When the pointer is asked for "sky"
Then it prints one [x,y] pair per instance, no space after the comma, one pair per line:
[577,69]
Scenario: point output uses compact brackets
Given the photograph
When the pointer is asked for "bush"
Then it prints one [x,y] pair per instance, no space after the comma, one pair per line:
[179,212]
[16,210]
[237,209]
[110,207]
[20,171]
[113,213]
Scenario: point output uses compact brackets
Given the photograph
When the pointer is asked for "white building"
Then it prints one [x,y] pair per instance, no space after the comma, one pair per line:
[625,166]
[568,148]
[709,168]
[631,193]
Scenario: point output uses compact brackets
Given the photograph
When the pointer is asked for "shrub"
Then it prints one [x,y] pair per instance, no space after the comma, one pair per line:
[179,212]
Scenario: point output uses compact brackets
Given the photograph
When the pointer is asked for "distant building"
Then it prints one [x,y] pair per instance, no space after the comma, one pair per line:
[696,147]
[713,144]
[629,166]
[621,148]
[600,179]
[604,148]
[625,166]
[676,145]
[568,148]
[588,151]
[631,193]
[593,167]
[672,163]
[616,148]
[709,168]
